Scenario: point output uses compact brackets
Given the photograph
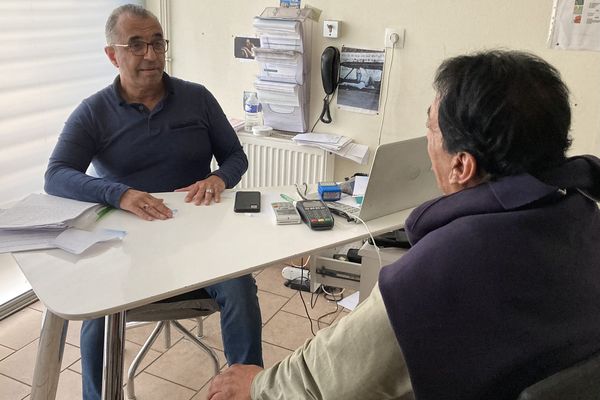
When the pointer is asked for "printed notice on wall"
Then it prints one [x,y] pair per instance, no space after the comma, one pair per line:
[361,73]
[575,25]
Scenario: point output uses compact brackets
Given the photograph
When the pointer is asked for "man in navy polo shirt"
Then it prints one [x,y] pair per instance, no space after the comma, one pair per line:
[149,132]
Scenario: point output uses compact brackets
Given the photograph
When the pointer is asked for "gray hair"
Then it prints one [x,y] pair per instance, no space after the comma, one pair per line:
[132,9]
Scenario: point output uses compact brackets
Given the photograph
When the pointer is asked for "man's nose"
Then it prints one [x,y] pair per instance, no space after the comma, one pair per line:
[150,53]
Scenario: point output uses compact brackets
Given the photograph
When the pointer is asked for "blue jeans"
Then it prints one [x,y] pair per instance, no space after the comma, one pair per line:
[241,329]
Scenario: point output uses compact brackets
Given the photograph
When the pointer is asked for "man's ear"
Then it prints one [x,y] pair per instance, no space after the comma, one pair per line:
[110,52]
[464,171]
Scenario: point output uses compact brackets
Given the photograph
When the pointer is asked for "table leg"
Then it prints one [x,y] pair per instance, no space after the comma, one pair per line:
[49,357]
[114,347]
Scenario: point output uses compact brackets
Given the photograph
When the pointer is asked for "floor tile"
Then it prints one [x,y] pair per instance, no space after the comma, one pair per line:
[20,364]
[69,386]
[74,332]
[322,310]
[201,395]
[5,352]
[269,304]
[131,350]
[273,354]
[20,328]
[38,305]
[212,331]
[11,389]
[288,330]
[270,280]
[185,364]
[149,387]
[140,334]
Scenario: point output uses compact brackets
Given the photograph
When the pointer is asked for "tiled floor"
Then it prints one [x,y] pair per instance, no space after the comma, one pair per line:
[180,372]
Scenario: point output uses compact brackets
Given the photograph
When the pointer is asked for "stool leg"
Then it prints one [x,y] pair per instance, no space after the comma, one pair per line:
[204,347]
[200,325]
[139,357]
[167,334]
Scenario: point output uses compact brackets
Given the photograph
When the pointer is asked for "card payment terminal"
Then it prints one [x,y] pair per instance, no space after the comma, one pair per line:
[315,214]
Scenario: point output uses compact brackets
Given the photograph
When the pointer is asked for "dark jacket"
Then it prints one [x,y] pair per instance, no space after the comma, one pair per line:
[502,285]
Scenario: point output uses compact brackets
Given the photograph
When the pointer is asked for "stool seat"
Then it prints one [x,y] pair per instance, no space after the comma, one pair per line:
[195,304]
[179,307]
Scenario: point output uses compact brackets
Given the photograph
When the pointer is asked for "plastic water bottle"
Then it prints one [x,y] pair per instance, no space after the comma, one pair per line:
[253,112]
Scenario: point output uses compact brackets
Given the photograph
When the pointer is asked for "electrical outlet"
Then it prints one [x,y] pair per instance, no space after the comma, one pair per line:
[390,34]
[331,29]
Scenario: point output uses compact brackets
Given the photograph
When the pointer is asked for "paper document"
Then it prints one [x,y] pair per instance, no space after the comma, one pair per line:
[360,185]
[73,240]
[358,153]
[317,138]
[350,302]
[76,241]
[337,144]
[43,211]
[27,239]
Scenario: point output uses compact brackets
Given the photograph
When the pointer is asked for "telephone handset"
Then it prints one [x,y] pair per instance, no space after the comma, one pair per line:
[330,65]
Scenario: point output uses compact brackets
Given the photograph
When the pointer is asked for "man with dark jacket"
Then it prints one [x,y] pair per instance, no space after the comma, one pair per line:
[501,287]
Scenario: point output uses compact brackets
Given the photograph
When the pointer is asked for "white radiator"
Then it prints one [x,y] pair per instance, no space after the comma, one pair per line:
[274,161]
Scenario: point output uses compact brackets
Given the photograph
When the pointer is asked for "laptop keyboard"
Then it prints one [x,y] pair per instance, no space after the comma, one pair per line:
[342,208]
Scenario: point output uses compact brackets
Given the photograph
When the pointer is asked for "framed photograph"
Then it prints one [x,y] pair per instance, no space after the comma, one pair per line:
[243,47]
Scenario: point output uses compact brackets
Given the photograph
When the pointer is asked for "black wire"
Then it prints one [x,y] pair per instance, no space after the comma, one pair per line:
[304,303]
[325,116]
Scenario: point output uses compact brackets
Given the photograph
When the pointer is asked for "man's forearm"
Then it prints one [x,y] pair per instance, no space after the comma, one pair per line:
[358,358]
[67,182]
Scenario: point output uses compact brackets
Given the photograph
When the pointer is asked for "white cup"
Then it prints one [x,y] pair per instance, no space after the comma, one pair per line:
[261,130]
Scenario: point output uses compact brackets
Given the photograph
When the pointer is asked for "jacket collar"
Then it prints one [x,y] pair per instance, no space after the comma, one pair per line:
[581,174]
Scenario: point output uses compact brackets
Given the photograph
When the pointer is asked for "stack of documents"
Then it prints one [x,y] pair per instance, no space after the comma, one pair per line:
[280,65]
[43,222]
[283,80]
[337,144]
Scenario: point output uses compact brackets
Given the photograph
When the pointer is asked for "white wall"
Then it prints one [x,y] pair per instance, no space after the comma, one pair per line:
[202,35]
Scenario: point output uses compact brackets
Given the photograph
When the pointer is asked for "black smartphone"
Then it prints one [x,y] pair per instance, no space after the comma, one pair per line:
[247,201]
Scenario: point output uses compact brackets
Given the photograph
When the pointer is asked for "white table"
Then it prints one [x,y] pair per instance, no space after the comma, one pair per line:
[160,259]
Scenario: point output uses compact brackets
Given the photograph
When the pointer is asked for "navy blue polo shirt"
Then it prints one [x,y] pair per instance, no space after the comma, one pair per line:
[130,146]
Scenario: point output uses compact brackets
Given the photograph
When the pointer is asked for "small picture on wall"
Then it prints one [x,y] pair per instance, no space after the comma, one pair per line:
[243,47]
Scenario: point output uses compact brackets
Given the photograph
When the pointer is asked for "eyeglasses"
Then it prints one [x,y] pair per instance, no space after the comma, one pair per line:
[140,47]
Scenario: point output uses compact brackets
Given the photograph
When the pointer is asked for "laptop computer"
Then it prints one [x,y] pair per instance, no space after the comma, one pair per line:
[400,178]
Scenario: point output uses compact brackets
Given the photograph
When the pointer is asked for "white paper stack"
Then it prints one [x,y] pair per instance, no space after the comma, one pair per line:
[43,211]
[43,221]
[338,144]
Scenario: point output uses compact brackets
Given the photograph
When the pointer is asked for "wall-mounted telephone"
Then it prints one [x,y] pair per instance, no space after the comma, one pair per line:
[330,66]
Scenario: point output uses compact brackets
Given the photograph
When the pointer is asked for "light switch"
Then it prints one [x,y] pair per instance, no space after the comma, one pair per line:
[331,29]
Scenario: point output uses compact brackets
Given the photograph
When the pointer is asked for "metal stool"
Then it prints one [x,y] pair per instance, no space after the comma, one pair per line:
[196,304]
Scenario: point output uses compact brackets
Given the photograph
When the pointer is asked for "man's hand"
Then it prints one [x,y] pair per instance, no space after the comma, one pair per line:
[204,191]
[234,383]
[144,205]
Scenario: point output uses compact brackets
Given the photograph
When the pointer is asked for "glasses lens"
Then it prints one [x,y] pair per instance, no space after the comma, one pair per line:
[160,46]
[138,47]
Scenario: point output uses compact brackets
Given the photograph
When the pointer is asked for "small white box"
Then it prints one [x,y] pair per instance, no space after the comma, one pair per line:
[331,29]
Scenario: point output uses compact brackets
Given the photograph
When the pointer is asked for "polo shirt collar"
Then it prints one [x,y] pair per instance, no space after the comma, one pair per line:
[169,89]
